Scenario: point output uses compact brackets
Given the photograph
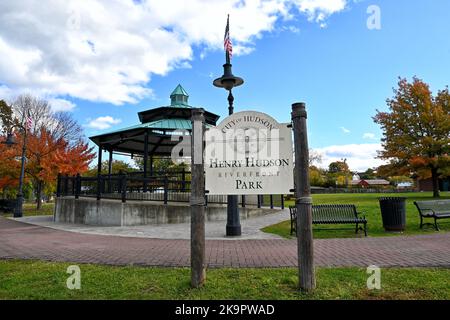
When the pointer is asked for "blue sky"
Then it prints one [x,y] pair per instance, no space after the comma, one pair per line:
[320,52]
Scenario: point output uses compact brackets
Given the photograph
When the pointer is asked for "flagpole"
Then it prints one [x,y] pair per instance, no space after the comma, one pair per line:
[228,81]
[18,211]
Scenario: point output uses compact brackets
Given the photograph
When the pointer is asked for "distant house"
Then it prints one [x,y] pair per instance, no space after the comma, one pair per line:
[405,185]
[427,184]
[369,183]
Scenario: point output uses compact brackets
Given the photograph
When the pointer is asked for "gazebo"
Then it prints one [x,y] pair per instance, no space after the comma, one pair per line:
[154,135]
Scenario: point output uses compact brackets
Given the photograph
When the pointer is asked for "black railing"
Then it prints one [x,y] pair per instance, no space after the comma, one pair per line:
[175,187]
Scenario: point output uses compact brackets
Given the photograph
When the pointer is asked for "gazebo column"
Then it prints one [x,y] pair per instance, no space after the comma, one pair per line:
[145,159]
[110,162]
[99,172]
[151,165]
[110,170]
[99,159]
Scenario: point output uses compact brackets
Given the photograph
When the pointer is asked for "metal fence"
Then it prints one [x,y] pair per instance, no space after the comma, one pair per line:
[360,190]
[172,187]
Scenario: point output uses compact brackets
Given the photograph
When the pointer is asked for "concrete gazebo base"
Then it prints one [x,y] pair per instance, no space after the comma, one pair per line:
[106,212]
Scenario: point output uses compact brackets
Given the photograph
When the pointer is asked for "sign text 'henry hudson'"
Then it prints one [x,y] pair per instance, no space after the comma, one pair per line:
[249,153]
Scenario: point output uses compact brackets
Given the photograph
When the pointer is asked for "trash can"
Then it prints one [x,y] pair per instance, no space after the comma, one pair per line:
[393,213]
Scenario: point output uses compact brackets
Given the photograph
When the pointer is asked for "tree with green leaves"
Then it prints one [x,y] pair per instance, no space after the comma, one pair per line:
[339,167]
[160,165]
[118,166]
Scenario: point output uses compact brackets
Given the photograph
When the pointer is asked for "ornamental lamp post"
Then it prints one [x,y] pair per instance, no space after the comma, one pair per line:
[228,81]
[10,141]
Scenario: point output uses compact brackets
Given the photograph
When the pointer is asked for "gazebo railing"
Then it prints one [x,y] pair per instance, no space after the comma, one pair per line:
[164,188]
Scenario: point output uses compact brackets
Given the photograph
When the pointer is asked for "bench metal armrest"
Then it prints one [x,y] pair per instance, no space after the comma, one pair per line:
[425,212]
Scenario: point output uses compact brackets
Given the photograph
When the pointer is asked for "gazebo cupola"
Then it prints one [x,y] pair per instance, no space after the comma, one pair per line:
[179,97]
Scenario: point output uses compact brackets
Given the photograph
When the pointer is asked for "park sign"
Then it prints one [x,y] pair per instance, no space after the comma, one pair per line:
[248,153]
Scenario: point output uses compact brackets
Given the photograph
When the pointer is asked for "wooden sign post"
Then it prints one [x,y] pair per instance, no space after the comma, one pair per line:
[303,198]
[197,201]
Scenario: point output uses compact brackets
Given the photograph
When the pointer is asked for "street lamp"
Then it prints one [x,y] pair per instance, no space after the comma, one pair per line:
[10,142]
[228,81]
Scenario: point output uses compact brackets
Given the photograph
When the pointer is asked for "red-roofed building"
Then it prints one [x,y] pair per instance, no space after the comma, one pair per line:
[370,183]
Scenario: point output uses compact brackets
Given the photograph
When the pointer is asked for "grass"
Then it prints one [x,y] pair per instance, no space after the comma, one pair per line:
[29,209]
[369,205]
[44,280]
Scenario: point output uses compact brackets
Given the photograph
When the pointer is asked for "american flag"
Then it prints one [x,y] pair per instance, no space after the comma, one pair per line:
[28,123]
[226,40]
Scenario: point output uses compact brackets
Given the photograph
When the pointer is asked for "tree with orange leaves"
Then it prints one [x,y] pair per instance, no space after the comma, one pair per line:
[9,169]
[416,131]
[54,144]
[48,156]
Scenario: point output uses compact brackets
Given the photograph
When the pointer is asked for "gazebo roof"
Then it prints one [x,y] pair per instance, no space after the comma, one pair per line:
[159,124]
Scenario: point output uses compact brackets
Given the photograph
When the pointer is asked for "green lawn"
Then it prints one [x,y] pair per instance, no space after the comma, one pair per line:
[369,205]
[29,209]
[45,280]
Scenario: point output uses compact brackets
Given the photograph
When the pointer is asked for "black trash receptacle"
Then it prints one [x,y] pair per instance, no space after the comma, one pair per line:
[393,213]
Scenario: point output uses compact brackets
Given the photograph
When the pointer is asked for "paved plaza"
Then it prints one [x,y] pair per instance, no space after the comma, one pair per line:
[19,240]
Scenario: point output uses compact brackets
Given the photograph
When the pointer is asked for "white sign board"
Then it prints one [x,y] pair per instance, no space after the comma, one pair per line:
[249,152]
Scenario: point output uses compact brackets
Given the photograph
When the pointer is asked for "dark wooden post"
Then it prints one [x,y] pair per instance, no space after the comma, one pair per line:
[99,172]
[99,160]
[259,200]
[183,180]
[74,186]
[166,188]
[303,200]
[145,160]
[110,161]
[99,186]
[77,186]
[151,166]
[110,170]
[243,201]
[271,201]
[120,182]
[66,185]
[58,186]
[282,201]
[198,272]
[124,187]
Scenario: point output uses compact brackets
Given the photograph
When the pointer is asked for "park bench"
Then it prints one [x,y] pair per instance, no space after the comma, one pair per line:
[436,209]
[7,205]
[332,214]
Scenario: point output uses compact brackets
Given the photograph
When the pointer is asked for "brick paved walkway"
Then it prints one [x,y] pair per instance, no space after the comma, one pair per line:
[23,241]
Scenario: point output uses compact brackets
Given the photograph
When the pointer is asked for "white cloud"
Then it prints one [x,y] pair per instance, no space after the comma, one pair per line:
[6,93]
[62,105]
[359,156]
[102,123]
[369,136]
[108,51]
[345,130]
[319,10]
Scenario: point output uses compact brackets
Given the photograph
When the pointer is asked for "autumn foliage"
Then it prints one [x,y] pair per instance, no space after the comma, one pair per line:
[9,168]
[54,145]
[46,157]
[416,131]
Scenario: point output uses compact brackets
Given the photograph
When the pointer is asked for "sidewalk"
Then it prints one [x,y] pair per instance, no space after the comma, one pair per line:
[20,240]
[213,229]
